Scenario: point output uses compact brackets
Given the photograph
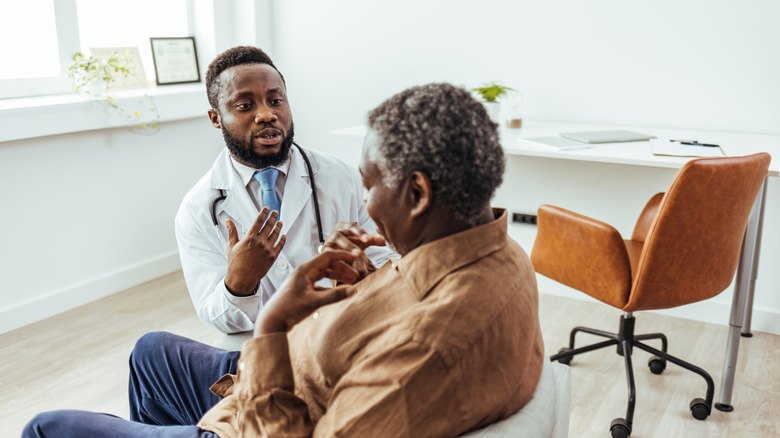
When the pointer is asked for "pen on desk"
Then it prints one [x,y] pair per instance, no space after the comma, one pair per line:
[696,143]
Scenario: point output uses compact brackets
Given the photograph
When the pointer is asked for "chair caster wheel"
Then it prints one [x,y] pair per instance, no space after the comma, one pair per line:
[656,364]
[699,409]
[620,428]
[566,360]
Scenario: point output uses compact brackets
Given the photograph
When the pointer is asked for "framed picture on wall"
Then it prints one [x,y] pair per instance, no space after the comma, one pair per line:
[175,60]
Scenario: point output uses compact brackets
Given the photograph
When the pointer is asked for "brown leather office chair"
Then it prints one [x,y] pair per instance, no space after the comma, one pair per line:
[685,248]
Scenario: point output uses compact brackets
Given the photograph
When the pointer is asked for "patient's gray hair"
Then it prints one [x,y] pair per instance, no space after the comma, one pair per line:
[442,131]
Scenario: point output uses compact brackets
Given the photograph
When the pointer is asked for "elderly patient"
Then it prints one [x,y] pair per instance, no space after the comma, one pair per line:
[440,342]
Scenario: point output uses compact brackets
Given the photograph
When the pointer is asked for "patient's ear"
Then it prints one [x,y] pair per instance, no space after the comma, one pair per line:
[214,117]
[420,193]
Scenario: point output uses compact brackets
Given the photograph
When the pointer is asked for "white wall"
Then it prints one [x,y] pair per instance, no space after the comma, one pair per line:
[91,213]
[703,64]
[694,64]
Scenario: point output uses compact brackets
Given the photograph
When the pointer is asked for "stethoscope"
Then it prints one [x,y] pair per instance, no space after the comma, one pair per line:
[222,197]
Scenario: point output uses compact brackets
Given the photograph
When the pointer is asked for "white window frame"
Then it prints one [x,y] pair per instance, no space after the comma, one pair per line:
[66,21]
[216,26]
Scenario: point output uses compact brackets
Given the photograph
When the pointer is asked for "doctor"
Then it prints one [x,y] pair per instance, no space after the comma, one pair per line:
[256,215]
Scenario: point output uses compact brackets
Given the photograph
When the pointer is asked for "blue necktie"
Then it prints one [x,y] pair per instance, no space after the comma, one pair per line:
[267,180]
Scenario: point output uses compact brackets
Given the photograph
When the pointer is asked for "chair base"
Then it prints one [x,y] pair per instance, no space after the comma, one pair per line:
[625,340]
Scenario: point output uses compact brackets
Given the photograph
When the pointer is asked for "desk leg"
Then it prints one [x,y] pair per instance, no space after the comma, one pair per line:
[739,302]
[754,272]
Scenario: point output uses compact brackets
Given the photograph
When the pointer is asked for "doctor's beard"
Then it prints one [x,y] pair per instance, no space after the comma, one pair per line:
[243,152]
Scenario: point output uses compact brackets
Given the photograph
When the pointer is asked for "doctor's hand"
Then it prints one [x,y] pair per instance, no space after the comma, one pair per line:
[298,296]
[349,236]
[251,258]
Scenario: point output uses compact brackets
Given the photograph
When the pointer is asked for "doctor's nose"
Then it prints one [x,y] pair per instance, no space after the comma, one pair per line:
[265,115]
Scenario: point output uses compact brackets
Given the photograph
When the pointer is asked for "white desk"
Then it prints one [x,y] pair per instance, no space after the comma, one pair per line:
[640,154]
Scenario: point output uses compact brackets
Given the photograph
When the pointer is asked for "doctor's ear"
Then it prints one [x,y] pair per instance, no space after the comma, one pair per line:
[214,117]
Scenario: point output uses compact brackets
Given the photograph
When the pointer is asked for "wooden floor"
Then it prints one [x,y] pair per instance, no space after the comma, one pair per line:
[78,360]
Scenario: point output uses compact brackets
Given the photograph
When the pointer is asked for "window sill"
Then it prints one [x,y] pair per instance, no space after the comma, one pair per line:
[61,114]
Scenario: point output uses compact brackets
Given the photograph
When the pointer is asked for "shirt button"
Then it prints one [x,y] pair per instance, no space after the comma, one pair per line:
[281,264]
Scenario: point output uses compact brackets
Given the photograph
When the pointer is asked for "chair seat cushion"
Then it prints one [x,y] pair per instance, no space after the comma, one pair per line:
[545,415]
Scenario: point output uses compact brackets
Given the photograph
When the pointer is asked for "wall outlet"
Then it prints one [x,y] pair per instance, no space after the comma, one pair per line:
[522,218]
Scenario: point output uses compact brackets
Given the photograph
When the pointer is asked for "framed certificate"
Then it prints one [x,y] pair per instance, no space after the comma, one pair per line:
[175,60]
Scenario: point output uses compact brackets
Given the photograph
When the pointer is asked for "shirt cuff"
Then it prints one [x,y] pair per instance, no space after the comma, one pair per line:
[264,365]
[249,304]
[254,292]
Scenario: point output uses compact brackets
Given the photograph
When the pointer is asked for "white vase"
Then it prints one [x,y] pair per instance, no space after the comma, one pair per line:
[494,111]
[92,87]
[96,89]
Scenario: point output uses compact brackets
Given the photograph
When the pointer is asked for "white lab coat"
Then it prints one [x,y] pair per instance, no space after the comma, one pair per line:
[203,247]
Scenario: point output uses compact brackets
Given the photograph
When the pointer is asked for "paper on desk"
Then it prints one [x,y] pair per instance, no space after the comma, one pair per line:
[663,146]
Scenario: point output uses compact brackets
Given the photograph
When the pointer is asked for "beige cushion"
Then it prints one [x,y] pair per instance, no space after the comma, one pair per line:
[545,416]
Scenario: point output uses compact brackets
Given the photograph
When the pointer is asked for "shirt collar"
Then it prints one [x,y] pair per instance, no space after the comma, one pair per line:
[423,267]
[246,172]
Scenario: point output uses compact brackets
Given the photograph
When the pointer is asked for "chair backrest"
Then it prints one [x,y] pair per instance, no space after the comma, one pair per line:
[692,246]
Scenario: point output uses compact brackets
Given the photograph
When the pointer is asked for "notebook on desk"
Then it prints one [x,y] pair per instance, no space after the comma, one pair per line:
[557,143]
[613,136]
[672,148]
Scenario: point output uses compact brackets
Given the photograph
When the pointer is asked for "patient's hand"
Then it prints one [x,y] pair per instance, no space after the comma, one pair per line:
[298,296]
[349,236]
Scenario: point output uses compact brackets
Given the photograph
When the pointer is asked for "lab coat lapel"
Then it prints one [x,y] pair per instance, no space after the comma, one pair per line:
[296,191]
[238,206]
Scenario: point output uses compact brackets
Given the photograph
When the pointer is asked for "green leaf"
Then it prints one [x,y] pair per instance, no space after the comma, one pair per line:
[491,91]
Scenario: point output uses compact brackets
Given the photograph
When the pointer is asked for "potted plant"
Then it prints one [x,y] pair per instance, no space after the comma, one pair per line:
[92,77]
[491,94]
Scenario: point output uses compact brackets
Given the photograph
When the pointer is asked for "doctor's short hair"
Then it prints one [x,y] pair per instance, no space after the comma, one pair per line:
[230,58]
[442,131]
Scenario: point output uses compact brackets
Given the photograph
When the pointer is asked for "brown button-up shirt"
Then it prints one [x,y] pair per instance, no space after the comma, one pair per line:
[440,342]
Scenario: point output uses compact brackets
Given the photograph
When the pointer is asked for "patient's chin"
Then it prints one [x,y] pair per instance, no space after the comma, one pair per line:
[395,248]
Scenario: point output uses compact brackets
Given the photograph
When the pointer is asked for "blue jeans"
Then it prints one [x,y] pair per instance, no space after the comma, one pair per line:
[170,377]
